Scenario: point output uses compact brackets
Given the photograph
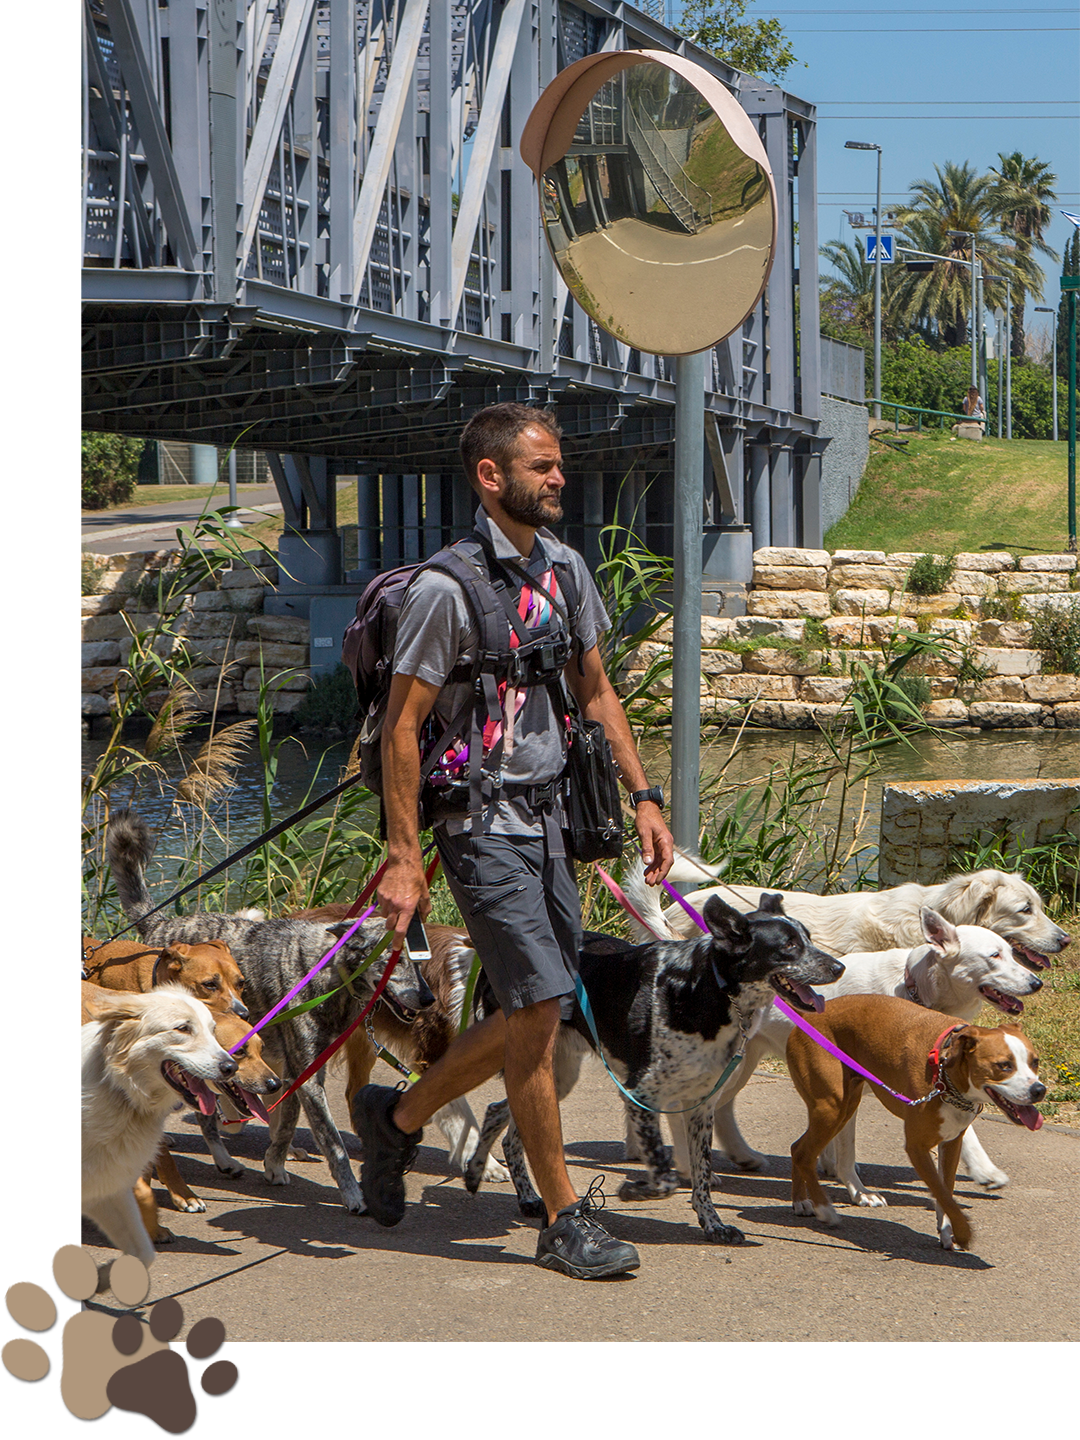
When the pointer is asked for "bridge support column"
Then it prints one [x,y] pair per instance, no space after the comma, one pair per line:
[760,501]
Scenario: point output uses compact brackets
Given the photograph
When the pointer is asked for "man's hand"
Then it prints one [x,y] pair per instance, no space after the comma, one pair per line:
[402,891]
[657,846]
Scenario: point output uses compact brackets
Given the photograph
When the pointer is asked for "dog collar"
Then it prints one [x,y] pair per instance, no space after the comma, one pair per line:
[942,1084]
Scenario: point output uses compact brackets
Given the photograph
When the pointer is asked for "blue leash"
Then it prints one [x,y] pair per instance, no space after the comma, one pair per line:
[586,1010]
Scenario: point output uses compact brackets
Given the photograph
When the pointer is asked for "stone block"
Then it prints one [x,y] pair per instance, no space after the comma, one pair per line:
[1003,687]
[824,689]
[94,705]
[967,431]
[205,677]
[783,716]
[788,604]
[932,605]
[105,627]
[100,677]
[206,698]
[1067,717]
[960,631]
[286,628]
[277,679]
[715,630]
[843,661]
[1031,582]
[283,702]
[858,557]
[211,651]
[1001,715]
[1051,563]
[1052,689]
[243,578]
[1005,634]
[721,662]
[903,559]
[865,577]
[790,555]
[249,651]
[1066,603]
[946,713]
[101,604]
[767,661]
[249,597]
[942,687]
[860,602]
[754,687]
[843,631]
[991,564]
[789,577]
[751,626]
[1009,661]
[101,652]
[971,582]
[215,624]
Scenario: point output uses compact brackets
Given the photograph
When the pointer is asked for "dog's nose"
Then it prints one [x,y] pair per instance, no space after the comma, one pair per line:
[425,995]
[1036,984]
[240,1009]
[227,1068]
[272,1084]
[1038,1090]
[837,969]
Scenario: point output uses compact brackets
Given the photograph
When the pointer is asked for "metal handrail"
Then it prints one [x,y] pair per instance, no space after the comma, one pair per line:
[897,405]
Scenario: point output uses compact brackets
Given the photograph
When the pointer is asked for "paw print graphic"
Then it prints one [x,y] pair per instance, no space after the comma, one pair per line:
[124,1363]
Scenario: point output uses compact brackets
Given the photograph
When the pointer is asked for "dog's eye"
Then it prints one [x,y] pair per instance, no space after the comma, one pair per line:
[184,1029]
[1025,909]
[1004,1064]
[1033,1063]
[210,984]
[240,1054]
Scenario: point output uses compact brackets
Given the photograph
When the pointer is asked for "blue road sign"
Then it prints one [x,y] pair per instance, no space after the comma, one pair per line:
[886,249]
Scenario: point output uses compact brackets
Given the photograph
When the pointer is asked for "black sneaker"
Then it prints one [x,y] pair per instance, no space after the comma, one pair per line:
[388,1152]
[577,1245]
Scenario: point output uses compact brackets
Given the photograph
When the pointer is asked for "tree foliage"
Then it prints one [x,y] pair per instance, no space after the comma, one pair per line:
[756,47]
[1020,193]
[110,464]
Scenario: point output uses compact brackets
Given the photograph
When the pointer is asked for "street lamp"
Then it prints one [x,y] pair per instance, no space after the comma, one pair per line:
[865,145]
[970,235]
[1046,310]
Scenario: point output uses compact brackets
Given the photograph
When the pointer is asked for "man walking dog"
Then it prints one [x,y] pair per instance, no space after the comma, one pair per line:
[506,867]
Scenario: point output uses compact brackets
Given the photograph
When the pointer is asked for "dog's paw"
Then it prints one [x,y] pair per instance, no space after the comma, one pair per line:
[495,1173]
[163,1236]
[872,1198]
[275,1174]
[719,1234]
[802,1207]
[304,1157]
[750,1161]
[192,1205]
[645,1189]
[827,1215]
[228,1166]
[533,1209]
[992,1179]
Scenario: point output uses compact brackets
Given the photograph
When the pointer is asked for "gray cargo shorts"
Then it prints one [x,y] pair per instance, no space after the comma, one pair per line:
[521,908]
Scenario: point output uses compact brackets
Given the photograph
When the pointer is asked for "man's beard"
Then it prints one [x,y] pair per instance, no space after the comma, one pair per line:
[528,508]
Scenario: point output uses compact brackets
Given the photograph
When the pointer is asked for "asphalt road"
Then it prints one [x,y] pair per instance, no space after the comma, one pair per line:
[153,527]
[290,1263]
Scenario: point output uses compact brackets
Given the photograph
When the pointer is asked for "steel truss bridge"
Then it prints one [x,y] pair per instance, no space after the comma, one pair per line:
[307,230]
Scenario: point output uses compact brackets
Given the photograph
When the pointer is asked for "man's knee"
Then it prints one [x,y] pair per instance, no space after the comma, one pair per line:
[533,1027]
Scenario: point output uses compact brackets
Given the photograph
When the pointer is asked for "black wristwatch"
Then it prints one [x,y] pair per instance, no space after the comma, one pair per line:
[654,793]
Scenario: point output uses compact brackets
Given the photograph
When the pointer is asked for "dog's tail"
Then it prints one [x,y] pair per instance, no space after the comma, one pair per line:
[647,899]
[130,846]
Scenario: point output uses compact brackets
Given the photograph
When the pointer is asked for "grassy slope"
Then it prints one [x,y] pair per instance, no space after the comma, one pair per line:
[941,494]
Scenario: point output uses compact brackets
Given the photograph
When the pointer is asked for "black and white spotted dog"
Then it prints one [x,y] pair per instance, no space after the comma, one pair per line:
[670,1015]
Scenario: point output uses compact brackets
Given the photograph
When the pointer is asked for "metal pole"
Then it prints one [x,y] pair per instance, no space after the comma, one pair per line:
[1046,310]
[1072,420]
[1008,359]
[1001,362]
[234,522]
[877,292]
[686,617]
[1055,387]
[974,331]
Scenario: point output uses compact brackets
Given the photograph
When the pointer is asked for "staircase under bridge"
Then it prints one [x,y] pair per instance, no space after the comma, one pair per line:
[308,231]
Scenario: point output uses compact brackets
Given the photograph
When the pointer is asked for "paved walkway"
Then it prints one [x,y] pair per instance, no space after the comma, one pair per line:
[153,527]
[291,1264]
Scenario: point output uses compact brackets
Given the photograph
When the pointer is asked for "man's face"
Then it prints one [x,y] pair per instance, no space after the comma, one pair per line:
[533,481]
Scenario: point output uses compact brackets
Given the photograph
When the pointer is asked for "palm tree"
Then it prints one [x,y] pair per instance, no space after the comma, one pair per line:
[849,294]
[1019,194]
[941,218]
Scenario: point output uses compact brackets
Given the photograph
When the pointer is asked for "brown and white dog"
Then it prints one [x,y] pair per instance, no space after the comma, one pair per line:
[208,970]
[961,1066]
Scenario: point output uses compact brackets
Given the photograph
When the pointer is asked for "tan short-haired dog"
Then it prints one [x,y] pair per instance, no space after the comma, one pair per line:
[917,1053]
[207,971]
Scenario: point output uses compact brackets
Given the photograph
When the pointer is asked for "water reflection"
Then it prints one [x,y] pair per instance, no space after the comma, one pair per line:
[660,224]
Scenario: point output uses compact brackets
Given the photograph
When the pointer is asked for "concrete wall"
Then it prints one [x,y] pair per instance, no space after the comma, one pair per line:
[920,823]
[845,456]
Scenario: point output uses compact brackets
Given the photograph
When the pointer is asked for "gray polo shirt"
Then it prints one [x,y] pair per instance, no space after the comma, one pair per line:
[436,632]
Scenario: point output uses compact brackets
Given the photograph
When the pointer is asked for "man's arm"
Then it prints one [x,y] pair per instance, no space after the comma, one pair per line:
[596,696]
[403,888]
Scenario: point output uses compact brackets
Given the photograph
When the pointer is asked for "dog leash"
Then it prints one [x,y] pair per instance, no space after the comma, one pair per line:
[939,1085]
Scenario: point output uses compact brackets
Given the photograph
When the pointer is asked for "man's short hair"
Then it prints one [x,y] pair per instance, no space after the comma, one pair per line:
[492,434]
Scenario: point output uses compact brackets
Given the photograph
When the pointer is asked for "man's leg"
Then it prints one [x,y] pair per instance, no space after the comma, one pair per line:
[530,1088]
[472,1058]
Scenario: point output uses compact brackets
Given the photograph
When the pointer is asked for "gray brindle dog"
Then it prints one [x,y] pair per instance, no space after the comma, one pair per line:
[273,956]
[670,1015]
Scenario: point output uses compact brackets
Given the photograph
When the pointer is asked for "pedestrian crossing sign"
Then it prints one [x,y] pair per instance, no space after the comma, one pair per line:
[886,249]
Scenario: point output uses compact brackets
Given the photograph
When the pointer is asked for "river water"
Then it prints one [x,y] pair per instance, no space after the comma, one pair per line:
[307,768]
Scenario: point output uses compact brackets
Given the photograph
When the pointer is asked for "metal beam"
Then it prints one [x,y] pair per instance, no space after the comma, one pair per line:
[377,171]
[268,122]
[151,127]
[483,147]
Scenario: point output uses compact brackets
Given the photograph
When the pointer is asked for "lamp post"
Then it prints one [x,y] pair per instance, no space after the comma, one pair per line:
[1008,359]
[865,145]
[1047,310]
[970,235]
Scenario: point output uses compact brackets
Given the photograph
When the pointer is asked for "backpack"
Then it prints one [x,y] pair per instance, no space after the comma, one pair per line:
[509,652]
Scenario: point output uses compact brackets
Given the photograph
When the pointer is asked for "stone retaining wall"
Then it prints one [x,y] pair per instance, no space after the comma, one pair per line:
[921,823]
[220,621]
[826,611]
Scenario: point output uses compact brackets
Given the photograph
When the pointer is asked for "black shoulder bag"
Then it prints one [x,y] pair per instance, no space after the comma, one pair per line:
[592,792]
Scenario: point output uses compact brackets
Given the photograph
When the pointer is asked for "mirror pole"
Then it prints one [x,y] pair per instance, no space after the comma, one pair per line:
[686,617]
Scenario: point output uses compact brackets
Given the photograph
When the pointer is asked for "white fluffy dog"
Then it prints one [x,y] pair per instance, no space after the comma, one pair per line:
[139,1055]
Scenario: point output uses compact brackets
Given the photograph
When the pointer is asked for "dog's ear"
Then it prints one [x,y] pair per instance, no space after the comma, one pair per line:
[172,961]
[112,1006]
[965,1040]
[939,931]
[771,903]
[726,925]
[977,898]
[925,974]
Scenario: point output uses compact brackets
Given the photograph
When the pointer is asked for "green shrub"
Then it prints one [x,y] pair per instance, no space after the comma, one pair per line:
[92,571]
[1056,633]
[930,574]
[330,703]
[110,464]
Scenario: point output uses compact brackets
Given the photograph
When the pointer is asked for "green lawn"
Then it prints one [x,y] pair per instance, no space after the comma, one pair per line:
[941,494]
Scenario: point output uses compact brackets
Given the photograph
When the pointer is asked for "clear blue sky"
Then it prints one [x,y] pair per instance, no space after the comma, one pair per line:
[930,84]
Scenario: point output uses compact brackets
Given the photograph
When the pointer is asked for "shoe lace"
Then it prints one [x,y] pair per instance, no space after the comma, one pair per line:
[590,1205]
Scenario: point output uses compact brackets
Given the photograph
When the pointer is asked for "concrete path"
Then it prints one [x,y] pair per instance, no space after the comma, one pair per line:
[291,1264]
[153,527]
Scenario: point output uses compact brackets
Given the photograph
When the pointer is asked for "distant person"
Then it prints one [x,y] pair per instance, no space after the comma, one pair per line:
[974,409]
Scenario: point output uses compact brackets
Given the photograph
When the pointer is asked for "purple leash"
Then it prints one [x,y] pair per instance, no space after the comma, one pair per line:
[797,1020]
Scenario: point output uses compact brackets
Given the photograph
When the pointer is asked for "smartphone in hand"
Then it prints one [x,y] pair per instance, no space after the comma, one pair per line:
[416,941]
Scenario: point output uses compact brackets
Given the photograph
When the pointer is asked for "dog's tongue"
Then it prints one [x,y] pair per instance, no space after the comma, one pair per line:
[1029,1116]
[255,1105]
[808,996]
[204,1098]
[1041,962]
